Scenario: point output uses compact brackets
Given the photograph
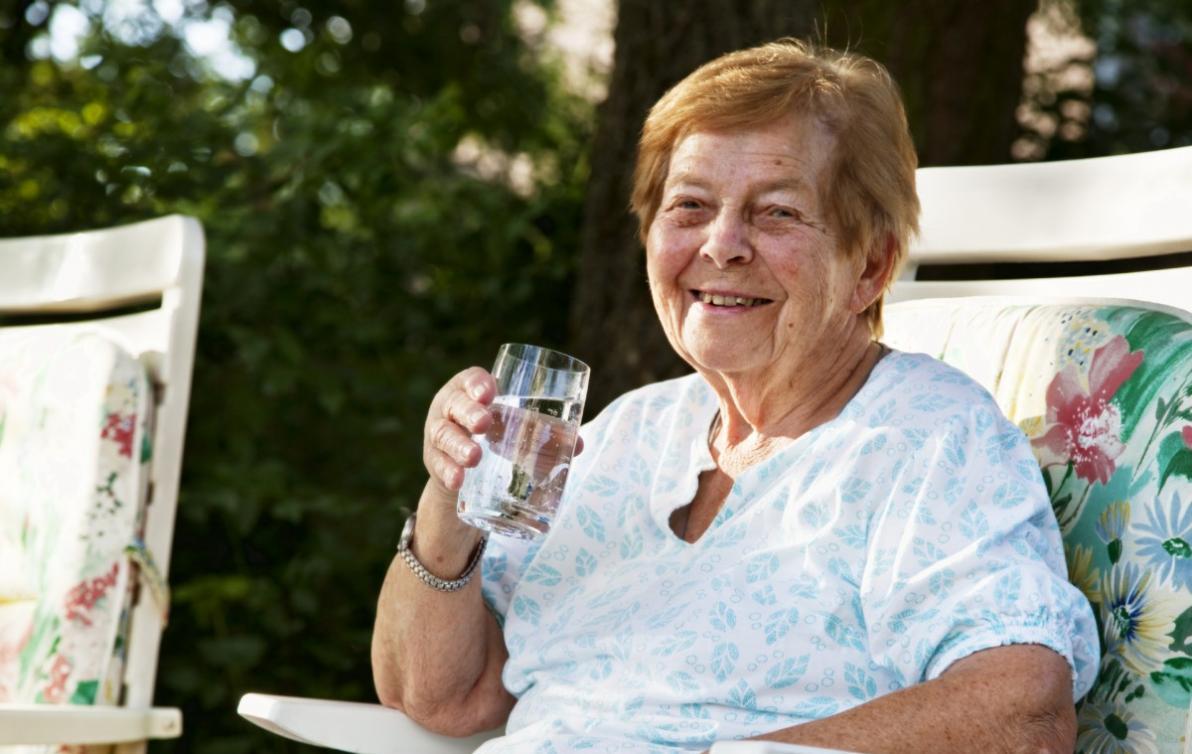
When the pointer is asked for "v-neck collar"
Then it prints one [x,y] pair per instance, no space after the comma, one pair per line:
[665,499]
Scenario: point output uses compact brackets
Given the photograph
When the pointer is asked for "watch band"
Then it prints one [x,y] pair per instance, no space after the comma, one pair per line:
[425,576]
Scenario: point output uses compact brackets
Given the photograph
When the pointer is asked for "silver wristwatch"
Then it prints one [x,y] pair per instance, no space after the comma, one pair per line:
[425,576]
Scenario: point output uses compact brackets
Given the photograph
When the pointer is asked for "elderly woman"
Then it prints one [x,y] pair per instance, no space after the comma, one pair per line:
[812,539]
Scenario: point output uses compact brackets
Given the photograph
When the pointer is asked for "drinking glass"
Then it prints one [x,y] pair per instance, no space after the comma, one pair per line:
[527,451]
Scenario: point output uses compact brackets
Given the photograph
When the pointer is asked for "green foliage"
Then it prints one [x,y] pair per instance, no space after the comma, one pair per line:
[356,259]
[1130,93]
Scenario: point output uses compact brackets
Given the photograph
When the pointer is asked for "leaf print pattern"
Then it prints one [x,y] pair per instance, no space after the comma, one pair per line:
[602,486]
[761,568]
[787,673]
[1010,494]
[682,682]
[589,520]
[836,571]
[723,618]
[680,642]
[724,659]
[780,623]
[742,696]
[999,446]
[585,563]
[816,707]
[765,596]
[860,685]
[544,574]
[527,609]
[843,634]
[855,490]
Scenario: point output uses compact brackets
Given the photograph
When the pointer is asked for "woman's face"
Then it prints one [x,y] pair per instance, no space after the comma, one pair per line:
[744,268]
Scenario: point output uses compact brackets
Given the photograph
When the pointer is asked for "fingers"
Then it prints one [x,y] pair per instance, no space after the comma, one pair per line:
[443,470]
[478,384]
[579,444]
[448,451]
[464,411]
[459,410]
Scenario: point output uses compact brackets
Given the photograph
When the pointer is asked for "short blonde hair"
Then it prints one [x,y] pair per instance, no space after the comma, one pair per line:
[869,191]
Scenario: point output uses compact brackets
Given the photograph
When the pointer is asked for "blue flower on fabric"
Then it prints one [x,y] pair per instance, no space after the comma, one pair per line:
[1111,524]
[1135,622]
[1167,542]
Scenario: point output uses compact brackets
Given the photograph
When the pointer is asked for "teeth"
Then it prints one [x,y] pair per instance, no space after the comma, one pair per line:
[718,300]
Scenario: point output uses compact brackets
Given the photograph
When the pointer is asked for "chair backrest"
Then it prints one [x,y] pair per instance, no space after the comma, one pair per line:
[1103,387]
[97,332]
[1131,207]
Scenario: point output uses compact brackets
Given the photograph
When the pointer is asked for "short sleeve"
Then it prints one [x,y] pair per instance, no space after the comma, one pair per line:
[965,554]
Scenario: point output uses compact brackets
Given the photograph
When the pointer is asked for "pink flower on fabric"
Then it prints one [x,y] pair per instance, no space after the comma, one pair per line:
[55,691]
[1187,434]
[1084,425]
[83,596]
[120,428]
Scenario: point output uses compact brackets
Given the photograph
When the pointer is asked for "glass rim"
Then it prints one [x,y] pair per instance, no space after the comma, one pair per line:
[568,364]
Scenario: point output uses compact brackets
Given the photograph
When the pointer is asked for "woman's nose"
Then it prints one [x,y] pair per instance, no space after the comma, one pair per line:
[727,242]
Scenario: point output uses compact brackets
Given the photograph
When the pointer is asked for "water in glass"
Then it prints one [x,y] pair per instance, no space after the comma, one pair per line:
[526,455]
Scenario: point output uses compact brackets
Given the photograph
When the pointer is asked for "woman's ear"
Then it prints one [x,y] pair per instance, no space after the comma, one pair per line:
[875,274]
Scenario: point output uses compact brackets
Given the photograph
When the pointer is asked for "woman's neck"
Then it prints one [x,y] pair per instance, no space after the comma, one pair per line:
[760,414]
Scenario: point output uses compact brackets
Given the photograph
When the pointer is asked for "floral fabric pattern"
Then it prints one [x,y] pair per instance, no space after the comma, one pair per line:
[1104,391]
[74,447]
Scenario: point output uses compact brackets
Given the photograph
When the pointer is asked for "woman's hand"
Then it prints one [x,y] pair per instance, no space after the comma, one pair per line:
[459,410]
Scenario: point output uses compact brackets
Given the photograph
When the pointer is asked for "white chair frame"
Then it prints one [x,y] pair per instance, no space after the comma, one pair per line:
[155,267]
[1107,208]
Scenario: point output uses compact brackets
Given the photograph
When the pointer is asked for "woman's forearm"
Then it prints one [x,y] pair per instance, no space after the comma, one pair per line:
[438,656]
[1005,700]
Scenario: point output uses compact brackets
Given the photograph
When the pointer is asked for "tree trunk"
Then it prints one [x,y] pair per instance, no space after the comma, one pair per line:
[960,66]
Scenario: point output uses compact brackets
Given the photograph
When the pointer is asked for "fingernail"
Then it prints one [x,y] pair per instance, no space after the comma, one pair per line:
[476,389]
[477,415]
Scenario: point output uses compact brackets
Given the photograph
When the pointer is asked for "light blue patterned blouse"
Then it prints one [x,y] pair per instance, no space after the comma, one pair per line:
[870,554]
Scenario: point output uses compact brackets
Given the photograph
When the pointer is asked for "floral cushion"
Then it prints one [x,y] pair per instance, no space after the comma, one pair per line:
[74,443]
[1104,391]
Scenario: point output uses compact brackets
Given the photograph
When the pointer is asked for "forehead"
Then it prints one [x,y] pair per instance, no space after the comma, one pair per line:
[793,150]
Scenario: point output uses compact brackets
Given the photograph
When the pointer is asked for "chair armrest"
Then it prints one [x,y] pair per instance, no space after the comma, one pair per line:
[350,726]
[79,724]
[769,747]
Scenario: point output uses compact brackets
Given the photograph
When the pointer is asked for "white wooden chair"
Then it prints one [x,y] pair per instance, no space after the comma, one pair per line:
[1110,208]
[122,303]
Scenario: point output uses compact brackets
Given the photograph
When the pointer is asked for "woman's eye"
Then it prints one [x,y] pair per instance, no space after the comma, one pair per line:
[784,213]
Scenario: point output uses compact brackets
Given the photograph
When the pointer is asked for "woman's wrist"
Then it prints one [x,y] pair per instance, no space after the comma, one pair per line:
[440,538]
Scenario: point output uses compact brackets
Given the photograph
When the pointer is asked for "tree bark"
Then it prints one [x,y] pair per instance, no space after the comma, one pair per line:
[960,66]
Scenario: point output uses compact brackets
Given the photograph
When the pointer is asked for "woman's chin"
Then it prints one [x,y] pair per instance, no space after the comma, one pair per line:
[726,361]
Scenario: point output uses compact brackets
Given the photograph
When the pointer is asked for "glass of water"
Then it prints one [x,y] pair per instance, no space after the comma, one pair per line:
[527,451]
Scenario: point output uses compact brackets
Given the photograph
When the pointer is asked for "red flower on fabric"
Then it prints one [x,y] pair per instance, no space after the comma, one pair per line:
[1085,426]
[120,428]
[83,596]
[1187,433]
[55,690]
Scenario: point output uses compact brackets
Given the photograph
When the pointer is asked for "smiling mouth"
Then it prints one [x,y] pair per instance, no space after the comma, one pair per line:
[716,299]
